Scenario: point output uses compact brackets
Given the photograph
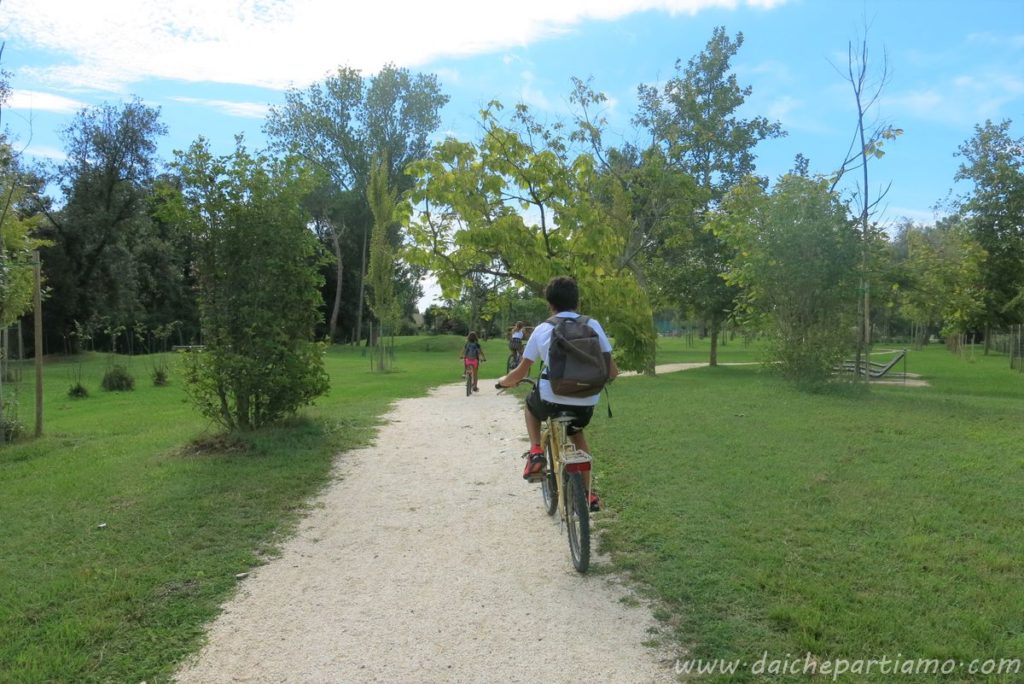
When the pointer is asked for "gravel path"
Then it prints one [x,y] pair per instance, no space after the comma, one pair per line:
[431,560]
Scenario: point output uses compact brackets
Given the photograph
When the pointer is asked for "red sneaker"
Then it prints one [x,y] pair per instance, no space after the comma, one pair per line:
[594,501]
[535,463]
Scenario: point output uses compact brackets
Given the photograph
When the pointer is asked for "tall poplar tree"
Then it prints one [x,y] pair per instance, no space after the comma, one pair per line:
[341,125]
[693,123]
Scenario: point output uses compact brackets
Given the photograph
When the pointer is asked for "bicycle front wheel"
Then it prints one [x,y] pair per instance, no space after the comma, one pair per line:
[577,518]
[511,363]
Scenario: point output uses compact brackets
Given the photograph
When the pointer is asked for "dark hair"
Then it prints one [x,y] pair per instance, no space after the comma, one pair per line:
[562,294]
[471,337]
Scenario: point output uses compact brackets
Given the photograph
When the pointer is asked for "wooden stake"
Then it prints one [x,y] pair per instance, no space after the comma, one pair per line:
[39,346]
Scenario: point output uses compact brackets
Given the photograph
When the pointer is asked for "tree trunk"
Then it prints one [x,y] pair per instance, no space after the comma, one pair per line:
[362,292]
[713,360]
[339,270]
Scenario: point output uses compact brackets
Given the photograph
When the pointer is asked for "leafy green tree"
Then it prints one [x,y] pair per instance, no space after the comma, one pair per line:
[519,206]
[796,264]
[17,268]
[944,288]
[259,287]
[649,200]
[994,214]
[381,275]
[163,252]
[693,121]
[17,244]
[340,125]
[106,182]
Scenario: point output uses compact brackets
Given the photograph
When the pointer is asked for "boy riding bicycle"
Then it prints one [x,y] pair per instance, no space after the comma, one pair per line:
[562,295]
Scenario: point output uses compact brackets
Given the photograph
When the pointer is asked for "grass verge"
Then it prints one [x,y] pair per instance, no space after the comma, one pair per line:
[125,525]
[841,525]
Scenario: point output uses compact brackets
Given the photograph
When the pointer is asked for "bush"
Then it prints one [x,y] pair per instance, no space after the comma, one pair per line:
[78,391]
[160,378]
[118,379]
[12,428]
[259,290]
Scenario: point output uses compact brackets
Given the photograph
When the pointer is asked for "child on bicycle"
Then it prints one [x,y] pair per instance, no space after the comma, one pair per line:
[562,295]
[515,340]
[472,355]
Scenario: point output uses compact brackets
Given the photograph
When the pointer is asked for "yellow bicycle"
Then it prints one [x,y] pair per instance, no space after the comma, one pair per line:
[563,485]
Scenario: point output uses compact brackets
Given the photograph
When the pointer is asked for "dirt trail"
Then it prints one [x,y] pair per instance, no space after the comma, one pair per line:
[430,560]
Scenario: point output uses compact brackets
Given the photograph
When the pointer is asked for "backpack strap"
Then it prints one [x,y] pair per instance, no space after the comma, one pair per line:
[554,320]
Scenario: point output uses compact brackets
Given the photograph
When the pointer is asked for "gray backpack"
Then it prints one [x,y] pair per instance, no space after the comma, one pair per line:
[576,365]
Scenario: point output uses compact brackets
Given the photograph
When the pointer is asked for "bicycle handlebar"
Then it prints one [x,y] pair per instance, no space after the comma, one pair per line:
[498,386]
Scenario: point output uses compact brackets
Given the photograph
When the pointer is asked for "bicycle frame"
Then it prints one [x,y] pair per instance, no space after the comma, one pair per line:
[569,467]
[564,457]
[567,471]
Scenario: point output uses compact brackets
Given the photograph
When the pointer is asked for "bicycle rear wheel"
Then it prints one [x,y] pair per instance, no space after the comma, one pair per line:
[469,381]
[511,363]
[577,518]
[549,485]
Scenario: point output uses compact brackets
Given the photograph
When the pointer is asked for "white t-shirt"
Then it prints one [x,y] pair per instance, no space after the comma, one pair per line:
[537,349]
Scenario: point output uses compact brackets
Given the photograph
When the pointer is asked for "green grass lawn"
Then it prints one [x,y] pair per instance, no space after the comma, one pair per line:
[124,602]
[851,524]
[844,525]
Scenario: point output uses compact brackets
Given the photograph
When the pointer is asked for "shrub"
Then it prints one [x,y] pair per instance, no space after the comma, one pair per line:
[118,379]
[160,378]
[78,391]
[12,427]
[259,289]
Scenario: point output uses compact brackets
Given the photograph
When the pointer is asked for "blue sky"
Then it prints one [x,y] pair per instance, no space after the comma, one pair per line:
[214,66]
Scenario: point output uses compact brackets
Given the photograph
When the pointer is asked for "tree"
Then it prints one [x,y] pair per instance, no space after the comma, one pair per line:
[994,214]
[944,275]
[259,287]
[646,198]
[796,263]
[17,246]
[381,274]
[340,125]
[106,182]
[865,146]
[519,206]
[693,121]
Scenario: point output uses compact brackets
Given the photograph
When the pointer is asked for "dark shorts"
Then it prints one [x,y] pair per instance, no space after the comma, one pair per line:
[542,410]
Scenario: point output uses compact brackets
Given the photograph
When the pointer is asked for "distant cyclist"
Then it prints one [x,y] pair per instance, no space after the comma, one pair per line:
[515,341]
[472,355]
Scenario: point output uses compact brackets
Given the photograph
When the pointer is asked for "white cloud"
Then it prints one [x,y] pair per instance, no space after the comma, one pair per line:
[532,95]
[42,102]
[248,110]
[962,101]
[448,76]
[894,216]
[1014,41]
[278,43]
[44,152]
[772,68]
